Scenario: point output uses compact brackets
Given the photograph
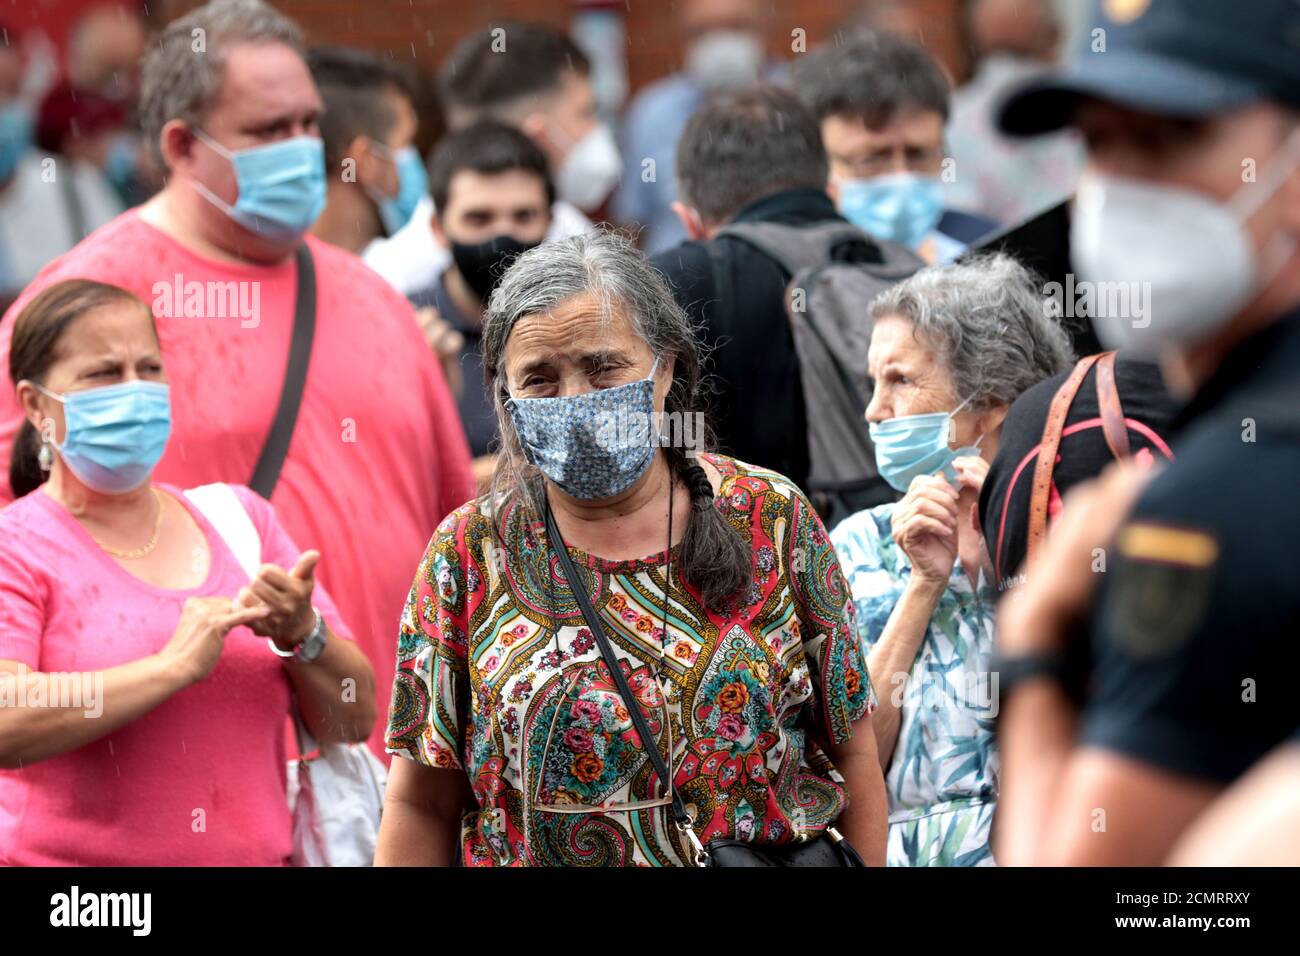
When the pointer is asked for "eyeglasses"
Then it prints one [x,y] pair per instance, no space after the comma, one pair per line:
[910,159]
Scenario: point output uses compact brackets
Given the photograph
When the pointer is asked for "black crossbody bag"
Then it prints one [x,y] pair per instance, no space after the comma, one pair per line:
[276,448]
[830,849]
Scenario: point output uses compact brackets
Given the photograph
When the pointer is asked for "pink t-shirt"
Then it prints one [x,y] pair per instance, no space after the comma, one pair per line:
[378,455]
[197,781]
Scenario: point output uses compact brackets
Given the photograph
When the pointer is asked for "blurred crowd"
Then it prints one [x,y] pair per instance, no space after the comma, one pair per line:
[904,464]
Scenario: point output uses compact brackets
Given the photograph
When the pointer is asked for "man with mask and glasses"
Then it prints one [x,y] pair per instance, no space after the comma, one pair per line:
[882,103]
[493,193]
[376,455]
[1190,110]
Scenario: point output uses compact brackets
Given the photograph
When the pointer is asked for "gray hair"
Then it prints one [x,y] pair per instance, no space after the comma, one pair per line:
[609,267]
[183,72]
[987,320]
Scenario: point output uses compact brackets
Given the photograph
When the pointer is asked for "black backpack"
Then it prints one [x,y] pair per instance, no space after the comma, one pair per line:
[828,302]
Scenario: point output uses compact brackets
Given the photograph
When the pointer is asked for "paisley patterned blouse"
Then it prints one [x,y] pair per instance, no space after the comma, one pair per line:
[498,676]
[943,778]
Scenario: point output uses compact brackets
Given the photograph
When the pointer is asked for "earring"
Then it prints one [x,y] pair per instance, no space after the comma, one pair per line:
[45,457]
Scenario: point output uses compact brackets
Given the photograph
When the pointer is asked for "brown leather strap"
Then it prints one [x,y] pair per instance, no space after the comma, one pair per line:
[1112,411]
[1047,450]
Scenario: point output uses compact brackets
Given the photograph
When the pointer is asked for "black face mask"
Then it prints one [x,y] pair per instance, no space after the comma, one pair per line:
[483,265]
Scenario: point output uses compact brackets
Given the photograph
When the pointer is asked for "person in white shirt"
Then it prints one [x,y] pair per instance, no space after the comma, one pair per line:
[47,206]
[413,257]
[538,80]
[47,203]
[374,173]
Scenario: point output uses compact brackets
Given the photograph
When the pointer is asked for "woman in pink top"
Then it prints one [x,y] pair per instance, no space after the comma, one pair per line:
[142,711]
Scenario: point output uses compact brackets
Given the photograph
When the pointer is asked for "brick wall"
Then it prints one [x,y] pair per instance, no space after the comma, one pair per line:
[421,32]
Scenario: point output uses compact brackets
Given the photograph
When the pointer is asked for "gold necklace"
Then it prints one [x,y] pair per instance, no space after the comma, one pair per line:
[153,541]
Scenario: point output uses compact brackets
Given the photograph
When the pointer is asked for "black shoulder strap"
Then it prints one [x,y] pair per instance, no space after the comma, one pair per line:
[267,472]
[579,588]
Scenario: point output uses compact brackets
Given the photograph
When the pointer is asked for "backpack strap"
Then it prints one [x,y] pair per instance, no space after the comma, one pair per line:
[226,513]
[795,248]
[1047,450]
[1112,409]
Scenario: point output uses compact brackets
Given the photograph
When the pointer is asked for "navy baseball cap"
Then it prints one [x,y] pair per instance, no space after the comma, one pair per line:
[1181,58]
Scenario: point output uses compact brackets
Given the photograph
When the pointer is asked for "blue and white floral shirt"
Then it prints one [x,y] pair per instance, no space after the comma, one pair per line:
[943,778]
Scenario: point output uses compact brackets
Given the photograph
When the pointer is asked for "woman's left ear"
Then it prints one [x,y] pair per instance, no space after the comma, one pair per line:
[990,421]
[664,376]
[29,401]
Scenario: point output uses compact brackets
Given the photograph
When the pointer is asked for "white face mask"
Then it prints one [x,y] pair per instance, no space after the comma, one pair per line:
[725,59]
[1189,257]
[591,169]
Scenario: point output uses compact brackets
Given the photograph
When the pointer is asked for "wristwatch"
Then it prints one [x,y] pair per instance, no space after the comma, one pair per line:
[313,645]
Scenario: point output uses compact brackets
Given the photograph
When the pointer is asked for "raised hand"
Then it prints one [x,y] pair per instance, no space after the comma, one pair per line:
[925,527]
[287,597]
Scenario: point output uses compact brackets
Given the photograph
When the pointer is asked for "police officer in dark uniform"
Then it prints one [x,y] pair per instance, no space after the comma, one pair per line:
[1186,579]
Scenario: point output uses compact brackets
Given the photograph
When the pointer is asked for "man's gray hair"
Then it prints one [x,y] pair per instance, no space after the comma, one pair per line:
[987,319]
[183,71]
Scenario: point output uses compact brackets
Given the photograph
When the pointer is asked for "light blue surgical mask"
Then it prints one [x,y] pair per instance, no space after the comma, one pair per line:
[16,126]
[595,445]
[412,184]
[913,445]
[900,207]
[281,186]
[114,435]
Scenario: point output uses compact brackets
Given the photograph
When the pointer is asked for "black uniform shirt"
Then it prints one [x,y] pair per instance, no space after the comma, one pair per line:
[1196,634]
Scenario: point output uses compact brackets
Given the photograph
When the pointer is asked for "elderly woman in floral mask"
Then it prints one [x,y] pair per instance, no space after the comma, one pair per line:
[713,582]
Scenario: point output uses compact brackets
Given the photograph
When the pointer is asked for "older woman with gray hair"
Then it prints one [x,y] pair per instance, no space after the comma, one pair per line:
[951,349]
[713,584]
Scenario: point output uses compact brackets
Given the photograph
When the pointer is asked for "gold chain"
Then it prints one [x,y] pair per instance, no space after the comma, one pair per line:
[153,541]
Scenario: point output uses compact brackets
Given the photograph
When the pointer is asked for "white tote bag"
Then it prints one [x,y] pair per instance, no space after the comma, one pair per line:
[335,796]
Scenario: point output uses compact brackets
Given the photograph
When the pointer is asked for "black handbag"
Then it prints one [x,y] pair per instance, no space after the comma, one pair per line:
[829,849]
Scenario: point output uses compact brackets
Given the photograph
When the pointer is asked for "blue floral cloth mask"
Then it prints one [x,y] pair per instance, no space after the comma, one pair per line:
[281,186]
[593,445]
[115,434]
[912,445]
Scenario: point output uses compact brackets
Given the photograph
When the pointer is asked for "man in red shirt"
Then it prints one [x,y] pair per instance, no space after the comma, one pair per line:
[378,455]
